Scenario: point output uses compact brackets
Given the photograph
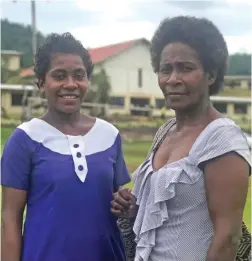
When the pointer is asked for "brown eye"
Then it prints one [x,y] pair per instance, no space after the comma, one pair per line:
[59,76]
[80,76]
[166,69]
[187,69]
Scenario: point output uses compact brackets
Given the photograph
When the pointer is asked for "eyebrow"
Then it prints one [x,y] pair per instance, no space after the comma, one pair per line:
[181,61]
[64,70]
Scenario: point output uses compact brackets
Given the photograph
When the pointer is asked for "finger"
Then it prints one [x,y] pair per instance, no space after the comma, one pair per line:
[117,213]
[126,194]
[121,201]
[117,206]
[133,200]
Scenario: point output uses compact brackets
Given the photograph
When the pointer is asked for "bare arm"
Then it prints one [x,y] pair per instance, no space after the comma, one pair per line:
[13,204]
[226,181]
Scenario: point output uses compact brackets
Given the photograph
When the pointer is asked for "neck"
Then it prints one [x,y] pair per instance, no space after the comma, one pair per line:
[60,118]
[195,116]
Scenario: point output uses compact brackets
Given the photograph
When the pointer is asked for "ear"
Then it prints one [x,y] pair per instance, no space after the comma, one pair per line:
[41,86]
[211,77]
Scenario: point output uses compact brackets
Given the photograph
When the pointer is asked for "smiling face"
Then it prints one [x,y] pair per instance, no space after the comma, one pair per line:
[65,83]
[181,77]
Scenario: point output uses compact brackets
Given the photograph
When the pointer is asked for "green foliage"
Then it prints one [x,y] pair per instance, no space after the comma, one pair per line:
[5,73]
[239,64]
[13,77]
[19,38]
[101,86]
[20,80]
[99,90]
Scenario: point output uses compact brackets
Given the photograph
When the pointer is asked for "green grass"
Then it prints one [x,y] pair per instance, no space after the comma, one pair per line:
[135,153]
[5,133]
[235,92]
[247,211]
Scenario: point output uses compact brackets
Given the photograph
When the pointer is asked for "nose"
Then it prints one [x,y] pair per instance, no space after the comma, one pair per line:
[70,83]
[174,79]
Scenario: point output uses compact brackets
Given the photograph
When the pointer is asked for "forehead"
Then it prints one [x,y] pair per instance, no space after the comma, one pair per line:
[179,52]
[66,61]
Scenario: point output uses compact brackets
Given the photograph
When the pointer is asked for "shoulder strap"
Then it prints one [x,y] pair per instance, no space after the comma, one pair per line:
[160,135]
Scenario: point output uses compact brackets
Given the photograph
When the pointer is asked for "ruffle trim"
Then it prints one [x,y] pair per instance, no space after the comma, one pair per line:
[161,190]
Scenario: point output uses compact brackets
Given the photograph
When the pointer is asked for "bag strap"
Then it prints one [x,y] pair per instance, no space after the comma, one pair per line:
[160,135]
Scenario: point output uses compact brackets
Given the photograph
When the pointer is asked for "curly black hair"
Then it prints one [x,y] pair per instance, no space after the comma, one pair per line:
[59,43]
[201,35]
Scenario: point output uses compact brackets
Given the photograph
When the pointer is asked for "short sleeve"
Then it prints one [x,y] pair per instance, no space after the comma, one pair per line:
[223,140]
[122,176]
[16,161]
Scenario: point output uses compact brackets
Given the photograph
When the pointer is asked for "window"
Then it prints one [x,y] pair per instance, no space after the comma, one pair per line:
[116,101]
[140,80]
[240,108]
[221,107]
[160,103]
[16,99]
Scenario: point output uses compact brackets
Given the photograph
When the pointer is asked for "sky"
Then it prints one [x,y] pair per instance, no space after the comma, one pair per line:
[101,22]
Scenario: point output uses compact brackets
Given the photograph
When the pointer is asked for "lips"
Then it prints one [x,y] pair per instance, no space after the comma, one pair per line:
[174,94]
[69,96]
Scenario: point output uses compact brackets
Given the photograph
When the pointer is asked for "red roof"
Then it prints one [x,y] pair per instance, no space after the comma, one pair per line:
[102,53]
[98,55]
[27,72]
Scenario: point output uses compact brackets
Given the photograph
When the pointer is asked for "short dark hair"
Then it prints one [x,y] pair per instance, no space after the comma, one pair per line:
[59,43]
[201,35]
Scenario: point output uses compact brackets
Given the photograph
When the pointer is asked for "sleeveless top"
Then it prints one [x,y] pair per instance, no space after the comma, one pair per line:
[173,222]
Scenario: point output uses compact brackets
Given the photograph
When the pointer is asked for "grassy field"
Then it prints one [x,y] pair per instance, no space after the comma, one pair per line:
[235,92]
[135,153]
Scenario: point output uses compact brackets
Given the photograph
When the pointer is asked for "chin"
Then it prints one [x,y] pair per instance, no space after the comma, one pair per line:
[69,110]
[177,106]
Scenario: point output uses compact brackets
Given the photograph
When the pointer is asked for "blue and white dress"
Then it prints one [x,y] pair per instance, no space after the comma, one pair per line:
[70,181]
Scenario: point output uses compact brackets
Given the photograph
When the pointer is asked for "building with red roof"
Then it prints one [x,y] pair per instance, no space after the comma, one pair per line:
[134,86]
[131,77]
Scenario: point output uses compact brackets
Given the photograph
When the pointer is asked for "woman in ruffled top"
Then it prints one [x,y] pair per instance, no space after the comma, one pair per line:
[189,194]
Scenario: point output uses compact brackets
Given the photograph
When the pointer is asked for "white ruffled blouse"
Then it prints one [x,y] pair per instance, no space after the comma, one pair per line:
[173,222]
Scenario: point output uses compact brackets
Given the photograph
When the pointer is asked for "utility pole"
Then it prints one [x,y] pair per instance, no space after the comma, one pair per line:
[33,27]
[27,110]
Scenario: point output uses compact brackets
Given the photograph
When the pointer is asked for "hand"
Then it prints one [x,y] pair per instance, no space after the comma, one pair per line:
[124,204]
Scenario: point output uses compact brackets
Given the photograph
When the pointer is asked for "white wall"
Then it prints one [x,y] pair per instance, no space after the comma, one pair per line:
[14,63]
[123,72]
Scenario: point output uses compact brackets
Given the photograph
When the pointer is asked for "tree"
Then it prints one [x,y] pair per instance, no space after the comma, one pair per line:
[100,83]
[13,77]
[239,64]
[20,80]
[18,37]
[99,91]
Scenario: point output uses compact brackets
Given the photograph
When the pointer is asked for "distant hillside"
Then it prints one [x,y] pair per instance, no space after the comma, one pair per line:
[239,64]
[19,37]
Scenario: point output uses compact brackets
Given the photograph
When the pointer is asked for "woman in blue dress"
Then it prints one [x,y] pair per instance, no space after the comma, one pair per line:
[64,167]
